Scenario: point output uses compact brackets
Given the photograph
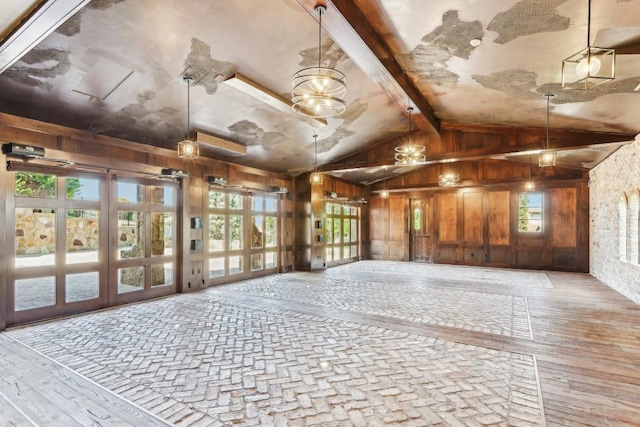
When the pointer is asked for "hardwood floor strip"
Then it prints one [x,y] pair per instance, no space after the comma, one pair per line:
[51,394]
[12,415]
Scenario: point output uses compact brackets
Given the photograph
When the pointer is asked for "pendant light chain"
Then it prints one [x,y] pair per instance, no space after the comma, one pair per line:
[548,98]
[320,12]
[188,80]
[589,24]
[315,159]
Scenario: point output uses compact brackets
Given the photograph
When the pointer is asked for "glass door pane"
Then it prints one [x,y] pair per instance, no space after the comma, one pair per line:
[83,236]
[35,240]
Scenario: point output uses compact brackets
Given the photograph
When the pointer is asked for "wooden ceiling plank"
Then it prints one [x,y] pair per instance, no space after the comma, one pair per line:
[349,28]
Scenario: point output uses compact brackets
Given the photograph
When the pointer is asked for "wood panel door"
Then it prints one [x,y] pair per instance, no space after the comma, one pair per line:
[421,236]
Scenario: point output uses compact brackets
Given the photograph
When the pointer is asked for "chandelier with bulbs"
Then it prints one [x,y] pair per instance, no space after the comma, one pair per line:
[319,91]
[409,153]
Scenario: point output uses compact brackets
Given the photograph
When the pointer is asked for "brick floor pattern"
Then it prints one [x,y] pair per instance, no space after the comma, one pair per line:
[198,360]
[494,314]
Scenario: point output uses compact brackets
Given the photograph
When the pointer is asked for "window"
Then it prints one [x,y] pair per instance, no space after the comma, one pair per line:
[530,212]
[622,227]
[634,205]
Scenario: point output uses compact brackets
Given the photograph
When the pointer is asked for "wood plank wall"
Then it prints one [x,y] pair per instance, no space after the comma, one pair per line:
[479,226]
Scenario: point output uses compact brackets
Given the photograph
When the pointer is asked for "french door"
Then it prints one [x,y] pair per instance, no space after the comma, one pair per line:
[342,233]
[83,241]
[58,244]
[243,235]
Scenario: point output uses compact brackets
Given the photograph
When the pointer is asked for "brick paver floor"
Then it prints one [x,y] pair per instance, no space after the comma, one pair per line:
[204,359]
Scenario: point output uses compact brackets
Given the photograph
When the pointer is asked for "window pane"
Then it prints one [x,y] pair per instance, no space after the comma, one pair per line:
[346,209]
[162,195]
[216,267]
[34,293]
[270,260]
[354,230]
[35,185]
[328,208]
[271,204]
[336,230]
[256,262]
[354,251]
[162,274]
[235,227]
[329,254]
[35,237]
[337,209]
[329,231]
[161,233]
[417,219]
[130,279]
[271,236]
[131,232]
[257,203]
[130,192]
[82,286]
[235,201]
[346,229]
[83,236]
[216,232]
[83,189]
[346,252]
[257,229]
[354,211]
[236,264]
[216,199]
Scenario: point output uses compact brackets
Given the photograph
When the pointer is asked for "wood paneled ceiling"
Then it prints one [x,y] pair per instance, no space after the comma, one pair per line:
[116,66]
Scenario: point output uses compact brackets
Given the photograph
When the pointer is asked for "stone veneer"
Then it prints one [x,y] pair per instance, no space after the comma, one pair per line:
[618,175]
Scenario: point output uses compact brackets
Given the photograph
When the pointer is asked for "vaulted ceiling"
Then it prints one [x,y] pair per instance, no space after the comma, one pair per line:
[115,67]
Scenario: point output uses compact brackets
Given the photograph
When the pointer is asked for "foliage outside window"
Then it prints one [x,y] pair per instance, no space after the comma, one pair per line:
[35,185]
[216,232]
[271,237]
[417,219]
[530,212]
[216,199]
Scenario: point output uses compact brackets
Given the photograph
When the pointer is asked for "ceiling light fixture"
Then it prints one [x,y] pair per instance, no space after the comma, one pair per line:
[409,153]
[319,91]
[188,149]
[316,177]
[385,192]
[529,185]
[547,156]
[449,179]
[591,66]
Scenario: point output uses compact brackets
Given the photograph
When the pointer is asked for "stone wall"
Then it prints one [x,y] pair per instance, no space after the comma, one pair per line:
[617,176]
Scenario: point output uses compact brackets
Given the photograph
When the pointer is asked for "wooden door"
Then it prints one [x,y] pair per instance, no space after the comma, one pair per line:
[421,230]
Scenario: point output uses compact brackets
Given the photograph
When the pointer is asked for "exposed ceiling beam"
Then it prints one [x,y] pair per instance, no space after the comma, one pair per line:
[349,28]
[38,25]
[496,142]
